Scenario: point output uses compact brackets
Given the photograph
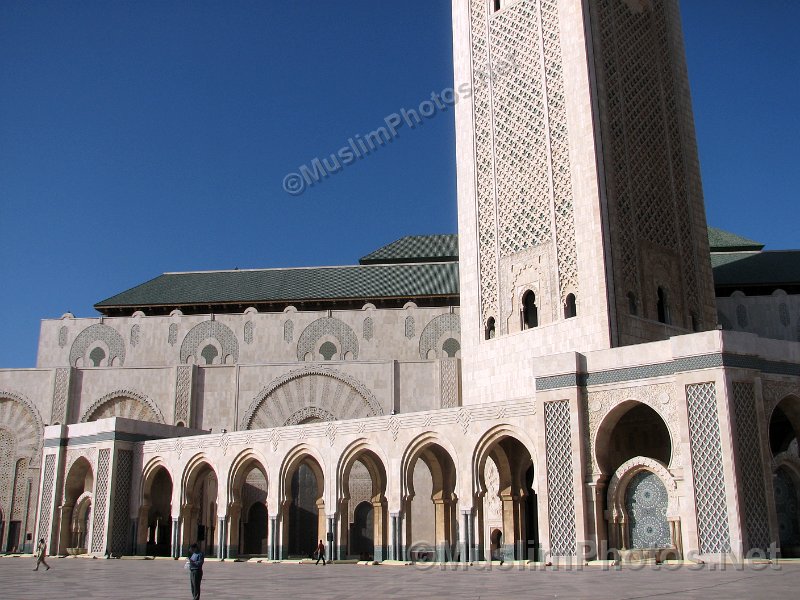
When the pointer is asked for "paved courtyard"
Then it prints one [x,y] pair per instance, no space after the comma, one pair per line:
[167,580]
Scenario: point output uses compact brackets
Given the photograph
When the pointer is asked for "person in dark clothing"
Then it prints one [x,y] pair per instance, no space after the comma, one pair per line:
[320,553]
[196,560]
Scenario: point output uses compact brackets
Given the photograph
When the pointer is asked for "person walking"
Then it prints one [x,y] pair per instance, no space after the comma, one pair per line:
[196,560]
[320,553]
[40,554]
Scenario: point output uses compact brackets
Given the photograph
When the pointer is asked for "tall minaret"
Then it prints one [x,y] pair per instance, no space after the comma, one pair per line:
[581,216]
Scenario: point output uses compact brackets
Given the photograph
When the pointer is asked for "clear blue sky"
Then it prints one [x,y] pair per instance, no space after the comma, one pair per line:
[143,137]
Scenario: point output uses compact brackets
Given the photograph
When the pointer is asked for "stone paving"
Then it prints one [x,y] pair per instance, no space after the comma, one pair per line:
[167,580]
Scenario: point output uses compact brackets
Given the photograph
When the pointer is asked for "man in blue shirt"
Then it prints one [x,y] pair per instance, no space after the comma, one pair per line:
[196,560]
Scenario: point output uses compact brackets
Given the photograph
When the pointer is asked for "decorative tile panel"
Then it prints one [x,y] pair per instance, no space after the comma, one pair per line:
[523,172]
[307,343]
[172,337]
[61,388]
[210,329]
[368,328]
[646,502]
[120,528]
[438,326]
[100,502]
[135,332]
[560,488]
[288,331]
[711,504]
[183,394]
[751,466]
[95,333]
[248,332]
[448,382]
[409,327]
[47,496]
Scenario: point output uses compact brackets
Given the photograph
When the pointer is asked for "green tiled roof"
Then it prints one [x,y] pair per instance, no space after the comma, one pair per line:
[720,240]
[289,285]
[414,249]
[774,268]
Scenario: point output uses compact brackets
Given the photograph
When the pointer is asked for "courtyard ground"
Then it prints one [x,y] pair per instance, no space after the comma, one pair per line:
[167,580]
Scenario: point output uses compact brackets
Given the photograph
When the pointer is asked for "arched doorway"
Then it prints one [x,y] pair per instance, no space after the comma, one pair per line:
[362,533]
[248,514]
[76,510]
[200,510]
[363,500]
[304,508]
[784,433]
[155,519]
[633,448]
[255,530]
[430,505]
[507,508]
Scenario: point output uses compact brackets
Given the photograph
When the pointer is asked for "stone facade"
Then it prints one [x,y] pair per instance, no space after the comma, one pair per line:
[550,416]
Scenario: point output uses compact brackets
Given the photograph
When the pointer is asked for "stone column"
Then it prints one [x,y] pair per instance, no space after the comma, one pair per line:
[272,530]
[330,537]
[222,536]
[378,531]
[175,550]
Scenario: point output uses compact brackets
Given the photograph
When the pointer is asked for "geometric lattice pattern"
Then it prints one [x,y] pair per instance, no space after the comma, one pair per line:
[646,504]
[120,529]
[368,329]
[524,184]
[48,480]
[8,450]
[183,394]
[447,323]
[649,181]
[18,502]
[248,332]
[210,329]
[707,468]
[135,332]
[288,331]
[409,327]
[125,404]
[327,326]
[94,333]
[310,392]
[60,396]
[751,467]
[560,490]
[172,336]
[101,502]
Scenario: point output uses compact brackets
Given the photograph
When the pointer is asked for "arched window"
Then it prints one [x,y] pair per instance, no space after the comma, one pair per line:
[633,308]
[327,350]
[97,355]
[209,353]
[570,307]
[662,306]
[530,312]
[490,328]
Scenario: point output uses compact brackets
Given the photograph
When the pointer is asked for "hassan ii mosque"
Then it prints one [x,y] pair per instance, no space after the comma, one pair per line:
[587,371]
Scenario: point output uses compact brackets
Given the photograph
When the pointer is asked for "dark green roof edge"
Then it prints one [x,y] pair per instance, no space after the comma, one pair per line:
[416,249]
[292,285]
[720,240]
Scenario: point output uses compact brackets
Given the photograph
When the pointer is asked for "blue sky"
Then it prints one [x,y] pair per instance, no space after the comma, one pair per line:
[143,137]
